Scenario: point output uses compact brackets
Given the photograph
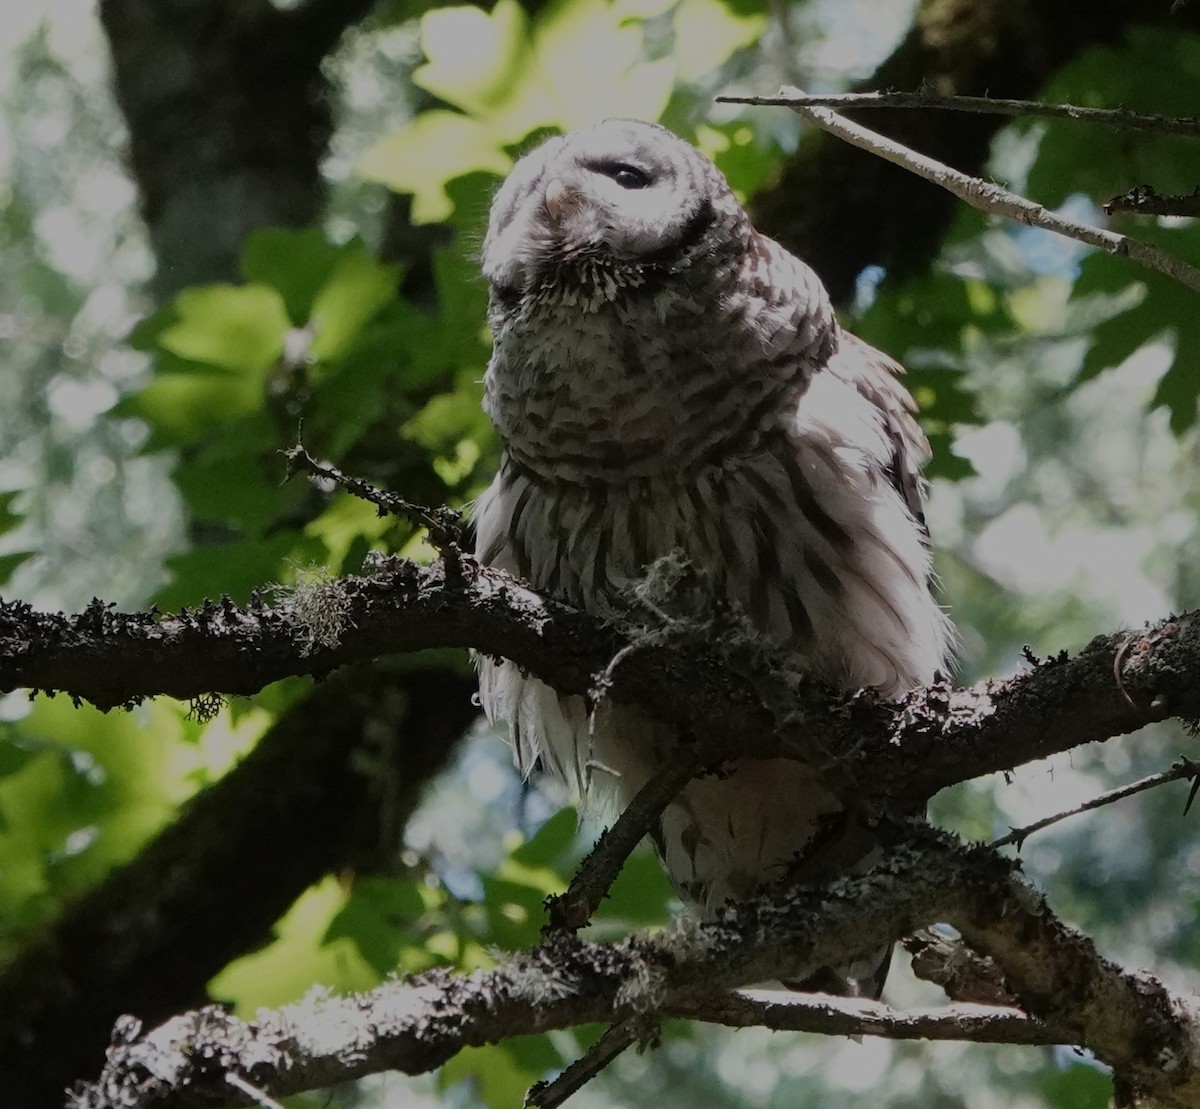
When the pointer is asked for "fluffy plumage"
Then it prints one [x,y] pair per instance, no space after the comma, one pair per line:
[666,379]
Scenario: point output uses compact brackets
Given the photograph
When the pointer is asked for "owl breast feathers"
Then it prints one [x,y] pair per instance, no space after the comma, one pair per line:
[666,380]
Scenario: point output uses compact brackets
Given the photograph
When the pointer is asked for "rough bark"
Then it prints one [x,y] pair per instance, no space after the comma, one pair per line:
[1132,1022]
[897,755]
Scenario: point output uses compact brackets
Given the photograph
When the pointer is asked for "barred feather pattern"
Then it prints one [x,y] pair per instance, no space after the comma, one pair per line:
[666,380]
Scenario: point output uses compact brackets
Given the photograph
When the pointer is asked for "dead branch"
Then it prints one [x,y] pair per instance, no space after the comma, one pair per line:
[593,879]
[1184,768]
[1120,119]
[989,197]
[1144,200]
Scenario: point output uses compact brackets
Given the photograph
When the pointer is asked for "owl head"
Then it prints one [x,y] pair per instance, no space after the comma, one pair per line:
[606,207]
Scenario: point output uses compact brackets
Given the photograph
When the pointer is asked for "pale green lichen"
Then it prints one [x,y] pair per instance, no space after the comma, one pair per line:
[317,606]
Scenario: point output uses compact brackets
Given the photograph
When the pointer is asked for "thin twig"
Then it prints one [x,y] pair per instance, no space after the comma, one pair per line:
[259,1097]
[590,885]
[988,197]
[859,1017]
[551,1094]
[1184,768]
[1144,200]
[444,524]
[1120,119]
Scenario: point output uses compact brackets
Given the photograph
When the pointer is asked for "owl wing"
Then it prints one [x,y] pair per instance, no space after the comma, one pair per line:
[877,378]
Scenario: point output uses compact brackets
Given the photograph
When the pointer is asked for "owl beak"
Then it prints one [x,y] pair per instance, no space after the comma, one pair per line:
[557,200]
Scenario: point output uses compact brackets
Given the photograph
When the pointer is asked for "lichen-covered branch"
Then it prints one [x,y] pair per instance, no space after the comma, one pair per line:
[1132,1022]
[896,754]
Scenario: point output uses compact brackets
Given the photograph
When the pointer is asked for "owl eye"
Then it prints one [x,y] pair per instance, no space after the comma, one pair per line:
[625,175]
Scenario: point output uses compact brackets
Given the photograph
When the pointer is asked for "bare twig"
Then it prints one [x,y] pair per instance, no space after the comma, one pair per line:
[1118,118]
[444,524]
[989,197]
[257,1096]
[1143,200]
[1184,768]
[551,1094]
[573,909]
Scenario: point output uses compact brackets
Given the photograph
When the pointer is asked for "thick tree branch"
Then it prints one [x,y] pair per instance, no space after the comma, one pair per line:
[1131,1022]
[896,754]
[964,974]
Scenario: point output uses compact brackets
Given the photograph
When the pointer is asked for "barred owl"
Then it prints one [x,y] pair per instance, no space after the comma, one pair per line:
[667,379]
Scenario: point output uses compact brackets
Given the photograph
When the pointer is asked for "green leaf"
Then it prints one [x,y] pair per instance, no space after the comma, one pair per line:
[9,563]
[1160,308]
[378,918]
[8,518]
[1078,1087]
[553,845]
[483,63]
[945,463]
[1156,70]
[238,328]
[88,791]
[13,756]
[234,489]
[707,32]
[296,263]
[500,1074]
[357,289]
[589,56]
[923,323]
[738,154]
[641,895]
[513,909]
[348,528]
[181,408]
[436,147]
[300,954]
[580,61]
